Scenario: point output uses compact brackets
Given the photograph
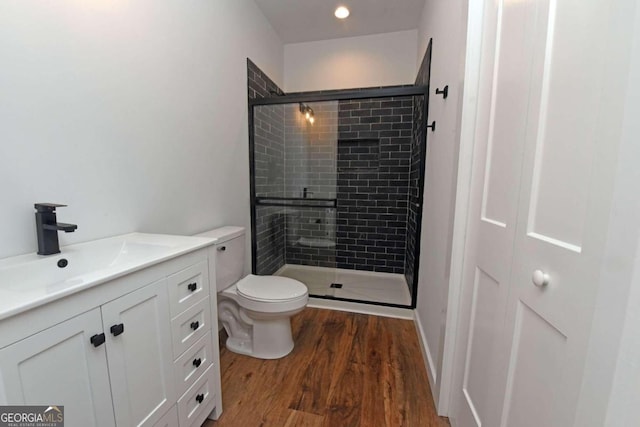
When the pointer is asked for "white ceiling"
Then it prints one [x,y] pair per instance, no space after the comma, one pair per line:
[298,21]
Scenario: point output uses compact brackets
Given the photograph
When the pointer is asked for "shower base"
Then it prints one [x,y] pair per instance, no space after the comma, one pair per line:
[365,286]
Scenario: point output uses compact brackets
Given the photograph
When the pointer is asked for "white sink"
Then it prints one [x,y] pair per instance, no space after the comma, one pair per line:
[31,280]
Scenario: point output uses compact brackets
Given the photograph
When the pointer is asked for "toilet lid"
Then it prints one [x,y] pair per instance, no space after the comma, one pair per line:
[270,288]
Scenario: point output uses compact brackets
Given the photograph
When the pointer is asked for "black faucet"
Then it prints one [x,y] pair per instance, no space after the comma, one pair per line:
[47,228]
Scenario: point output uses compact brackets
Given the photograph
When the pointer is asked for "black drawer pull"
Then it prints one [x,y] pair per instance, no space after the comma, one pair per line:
[200,398]
[117,329]
[195,325]
[192,287]
[97,340]
[197,362]
[222,248]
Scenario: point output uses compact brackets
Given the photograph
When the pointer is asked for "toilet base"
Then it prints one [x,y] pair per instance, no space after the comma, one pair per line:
[271,340]
[256,334]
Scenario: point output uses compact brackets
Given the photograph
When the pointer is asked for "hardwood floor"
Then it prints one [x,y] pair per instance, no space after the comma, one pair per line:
[346,370]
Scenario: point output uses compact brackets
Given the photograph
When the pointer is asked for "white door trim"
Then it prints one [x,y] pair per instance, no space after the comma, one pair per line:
[469,103]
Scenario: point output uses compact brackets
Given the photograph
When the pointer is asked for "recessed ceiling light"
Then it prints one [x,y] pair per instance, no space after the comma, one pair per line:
[341,12]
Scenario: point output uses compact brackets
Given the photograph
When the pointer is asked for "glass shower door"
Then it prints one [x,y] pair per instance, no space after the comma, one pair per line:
[295,170]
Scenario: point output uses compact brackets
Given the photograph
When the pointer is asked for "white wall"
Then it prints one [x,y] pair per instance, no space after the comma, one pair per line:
[377,60]
[132,113]
[445,22]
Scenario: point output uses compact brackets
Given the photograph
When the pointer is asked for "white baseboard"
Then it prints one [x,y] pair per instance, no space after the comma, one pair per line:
[432,374]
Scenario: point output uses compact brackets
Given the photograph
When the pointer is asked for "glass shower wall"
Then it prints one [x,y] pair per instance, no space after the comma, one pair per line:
[334,197]
[295,165]
[311,134]
[311,150]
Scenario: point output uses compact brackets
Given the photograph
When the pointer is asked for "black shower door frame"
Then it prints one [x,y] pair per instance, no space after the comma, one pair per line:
[339,95]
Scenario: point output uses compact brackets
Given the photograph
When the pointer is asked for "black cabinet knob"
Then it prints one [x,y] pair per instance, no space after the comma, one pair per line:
[97,340]
[195,325]
[192,287]
[200,398]
[197,362]
[117,329]
[222,248]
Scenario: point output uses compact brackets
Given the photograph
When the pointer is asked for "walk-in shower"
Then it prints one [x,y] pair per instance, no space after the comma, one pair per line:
[336,191]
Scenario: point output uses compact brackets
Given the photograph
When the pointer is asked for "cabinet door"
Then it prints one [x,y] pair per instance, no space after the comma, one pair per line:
[138,328]
[60,366]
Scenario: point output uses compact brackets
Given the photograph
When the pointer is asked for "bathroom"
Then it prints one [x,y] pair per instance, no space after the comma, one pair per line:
[135,115]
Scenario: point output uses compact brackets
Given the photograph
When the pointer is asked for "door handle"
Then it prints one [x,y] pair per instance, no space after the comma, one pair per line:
[540,278]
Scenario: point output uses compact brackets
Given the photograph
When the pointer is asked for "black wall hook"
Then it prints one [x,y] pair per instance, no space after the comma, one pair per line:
[432,126]
[444,92]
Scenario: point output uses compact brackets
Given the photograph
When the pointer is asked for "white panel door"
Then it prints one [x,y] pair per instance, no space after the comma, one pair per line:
[139,352]
[60,366]
[543,174]
[500,127]
[565,196]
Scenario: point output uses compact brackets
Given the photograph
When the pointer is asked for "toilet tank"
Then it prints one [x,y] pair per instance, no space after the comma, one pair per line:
[230,253]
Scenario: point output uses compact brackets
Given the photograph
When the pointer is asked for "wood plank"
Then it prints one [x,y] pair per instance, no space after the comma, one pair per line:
[303,419]
[306,330]
[345,370]
[345,394]
[314,388]
[376,384]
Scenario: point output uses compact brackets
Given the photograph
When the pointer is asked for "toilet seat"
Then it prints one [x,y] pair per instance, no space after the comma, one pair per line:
[271,289]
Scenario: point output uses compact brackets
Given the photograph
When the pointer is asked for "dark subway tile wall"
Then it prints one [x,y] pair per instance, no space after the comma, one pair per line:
[269,151]
[414,188]
[374,157]
[418,148]
[270,239]
[317,257]
[259,84]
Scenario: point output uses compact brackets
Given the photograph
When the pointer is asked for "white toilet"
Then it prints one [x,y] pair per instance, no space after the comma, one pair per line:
[255,310]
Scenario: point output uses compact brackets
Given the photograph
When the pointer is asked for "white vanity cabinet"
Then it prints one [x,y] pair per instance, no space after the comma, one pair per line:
[60,366]
[139,355]
[136,351]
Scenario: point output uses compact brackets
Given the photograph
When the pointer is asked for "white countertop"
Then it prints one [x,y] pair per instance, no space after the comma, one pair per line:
[29,281]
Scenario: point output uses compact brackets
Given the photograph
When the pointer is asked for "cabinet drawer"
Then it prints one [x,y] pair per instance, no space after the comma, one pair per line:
[188,287]
[190,326]
[193,363]
[198,401]
[170,419]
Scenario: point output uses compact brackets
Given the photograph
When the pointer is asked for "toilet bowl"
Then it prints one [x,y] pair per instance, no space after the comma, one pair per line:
[254,310]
